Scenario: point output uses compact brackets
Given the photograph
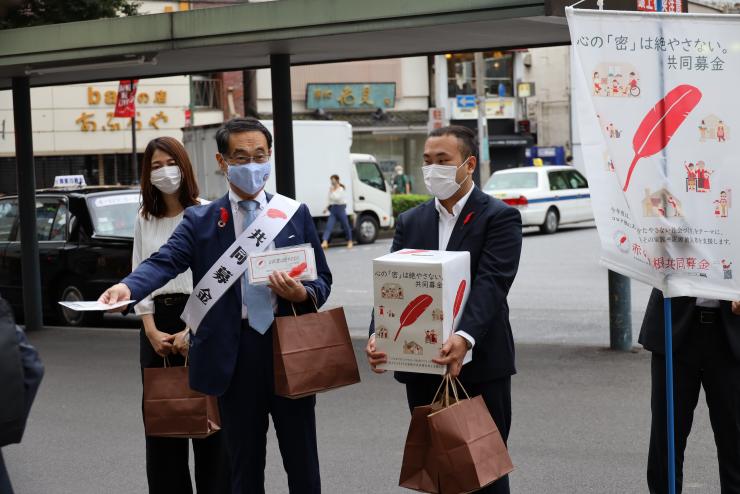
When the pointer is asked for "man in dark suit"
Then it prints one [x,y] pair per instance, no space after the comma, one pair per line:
[231,352]
[462,218]
[706,353]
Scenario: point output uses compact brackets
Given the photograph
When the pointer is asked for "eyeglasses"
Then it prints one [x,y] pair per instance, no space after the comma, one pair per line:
[245,160]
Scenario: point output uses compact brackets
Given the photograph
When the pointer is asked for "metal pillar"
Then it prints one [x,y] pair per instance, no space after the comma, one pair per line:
[26,177]
[620,313]
[282,124]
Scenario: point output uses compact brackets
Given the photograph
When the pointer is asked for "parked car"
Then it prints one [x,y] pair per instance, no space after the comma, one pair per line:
[85,239]
[546,196]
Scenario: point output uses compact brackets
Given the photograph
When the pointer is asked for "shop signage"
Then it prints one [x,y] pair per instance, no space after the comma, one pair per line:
[351,96]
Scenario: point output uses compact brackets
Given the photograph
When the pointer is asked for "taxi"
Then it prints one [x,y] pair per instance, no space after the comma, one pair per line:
[546,196]
[85,236]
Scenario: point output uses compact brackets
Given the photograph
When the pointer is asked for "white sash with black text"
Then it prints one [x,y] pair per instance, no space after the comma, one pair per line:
[232,263]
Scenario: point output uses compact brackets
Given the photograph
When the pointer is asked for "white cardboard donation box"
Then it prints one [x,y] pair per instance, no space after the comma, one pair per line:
[419,299]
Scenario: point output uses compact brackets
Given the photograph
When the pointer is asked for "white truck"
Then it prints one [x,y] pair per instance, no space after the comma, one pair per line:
[321,149]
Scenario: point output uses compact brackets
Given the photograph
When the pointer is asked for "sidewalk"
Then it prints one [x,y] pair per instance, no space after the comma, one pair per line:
[580,424]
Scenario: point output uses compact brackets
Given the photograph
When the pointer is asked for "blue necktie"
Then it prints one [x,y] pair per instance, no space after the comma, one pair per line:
[257,298]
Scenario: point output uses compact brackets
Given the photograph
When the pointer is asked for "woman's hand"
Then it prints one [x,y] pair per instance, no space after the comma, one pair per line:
[286,287]
[161,342]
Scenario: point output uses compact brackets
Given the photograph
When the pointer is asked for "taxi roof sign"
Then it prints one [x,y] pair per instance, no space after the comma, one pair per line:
[69,181]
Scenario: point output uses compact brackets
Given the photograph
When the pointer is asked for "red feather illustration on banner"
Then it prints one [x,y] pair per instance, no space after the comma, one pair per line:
[412,251]
[661,122]
[458,301]
[276,213]
[412,312]
[297,270]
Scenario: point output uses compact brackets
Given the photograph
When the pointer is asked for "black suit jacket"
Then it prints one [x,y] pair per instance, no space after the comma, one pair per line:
[493,236]
[652,333]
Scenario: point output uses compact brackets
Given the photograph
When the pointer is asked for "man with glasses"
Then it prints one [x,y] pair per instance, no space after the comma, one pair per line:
[231,353]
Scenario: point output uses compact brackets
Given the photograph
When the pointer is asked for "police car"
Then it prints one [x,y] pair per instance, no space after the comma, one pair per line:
[546,196]
[85,237]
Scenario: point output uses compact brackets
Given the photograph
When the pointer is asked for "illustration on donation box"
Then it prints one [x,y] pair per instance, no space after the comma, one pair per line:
[413,289]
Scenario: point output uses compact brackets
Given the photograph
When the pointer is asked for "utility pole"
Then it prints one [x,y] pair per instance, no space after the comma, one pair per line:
[484,164]
[441,94]
[134,157]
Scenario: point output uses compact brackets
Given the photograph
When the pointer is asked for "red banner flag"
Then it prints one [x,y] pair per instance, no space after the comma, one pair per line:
[126,99]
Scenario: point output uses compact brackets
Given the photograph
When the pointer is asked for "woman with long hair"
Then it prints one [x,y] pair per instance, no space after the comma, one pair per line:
[337,212]
[168,186]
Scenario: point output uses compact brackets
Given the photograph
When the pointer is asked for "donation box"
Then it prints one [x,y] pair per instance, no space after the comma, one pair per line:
[419,299]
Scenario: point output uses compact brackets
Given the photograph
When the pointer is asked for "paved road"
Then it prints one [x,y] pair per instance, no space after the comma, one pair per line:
[581,413]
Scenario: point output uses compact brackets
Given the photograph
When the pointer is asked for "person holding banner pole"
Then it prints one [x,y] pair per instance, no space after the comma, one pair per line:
[231,321]
[706,353]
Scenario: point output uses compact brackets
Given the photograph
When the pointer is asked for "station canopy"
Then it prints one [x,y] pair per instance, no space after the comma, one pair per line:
[245,35]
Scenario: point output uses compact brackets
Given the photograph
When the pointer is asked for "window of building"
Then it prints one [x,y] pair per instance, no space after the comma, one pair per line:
[499,73]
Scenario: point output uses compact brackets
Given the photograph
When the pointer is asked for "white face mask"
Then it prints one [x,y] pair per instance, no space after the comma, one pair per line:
[167,179]
[441,180]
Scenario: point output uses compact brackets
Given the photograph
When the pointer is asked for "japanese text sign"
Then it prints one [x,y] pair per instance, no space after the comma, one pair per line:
[656,120]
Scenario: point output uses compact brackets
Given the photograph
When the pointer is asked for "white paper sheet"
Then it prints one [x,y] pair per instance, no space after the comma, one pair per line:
[93,306]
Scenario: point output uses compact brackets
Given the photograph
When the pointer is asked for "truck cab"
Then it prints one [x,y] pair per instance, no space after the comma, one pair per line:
[371,198]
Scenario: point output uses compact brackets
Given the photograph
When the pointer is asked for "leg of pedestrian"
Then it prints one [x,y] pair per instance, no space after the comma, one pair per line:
[345,225]
[329,227]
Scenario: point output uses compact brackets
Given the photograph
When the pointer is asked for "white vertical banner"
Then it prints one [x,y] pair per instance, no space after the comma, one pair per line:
[660,134]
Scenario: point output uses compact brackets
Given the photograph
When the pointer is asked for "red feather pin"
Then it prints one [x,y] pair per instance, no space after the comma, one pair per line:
[458,300]
[297,270]
[661,122]
[224,218]
[412,312]
[468,218]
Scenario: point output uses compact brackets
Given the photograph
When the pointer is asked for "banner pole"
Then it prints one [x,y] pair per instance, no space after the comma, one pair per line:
[669,394]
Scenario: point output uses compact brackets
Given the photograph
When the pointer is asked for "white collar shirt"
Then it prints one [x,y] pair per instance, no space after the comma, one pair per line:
[238,216]
[447,223]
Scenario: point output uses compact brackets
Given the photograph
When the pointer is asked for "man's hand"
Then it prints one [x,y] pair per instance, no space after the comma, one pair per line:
[286,287]
[452,354]
[161,342]
[181,343]
[116,293]
[736,307]
[374,357]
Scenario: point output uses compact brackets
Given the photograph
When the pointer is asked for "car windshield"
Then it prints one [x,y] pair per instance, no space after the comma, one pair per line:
[114,214]
[517,180]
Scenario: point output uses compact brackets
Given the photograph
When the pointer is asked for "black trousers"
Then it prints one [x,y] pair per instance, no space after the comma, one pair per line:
[167,468]
[703,360]
[496,394]
[245,407]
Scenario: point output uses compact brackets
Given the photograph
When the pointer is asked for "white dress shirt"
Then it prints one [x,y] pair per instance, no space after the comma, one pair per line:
[447,223]
[149,235]
[707,302]
[238,216]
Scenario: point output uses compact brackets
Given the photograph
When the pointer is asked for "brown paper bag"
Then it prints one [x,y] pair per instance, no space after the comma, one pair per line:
[419,468]
[172,409]
[313,353]
[472,451]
